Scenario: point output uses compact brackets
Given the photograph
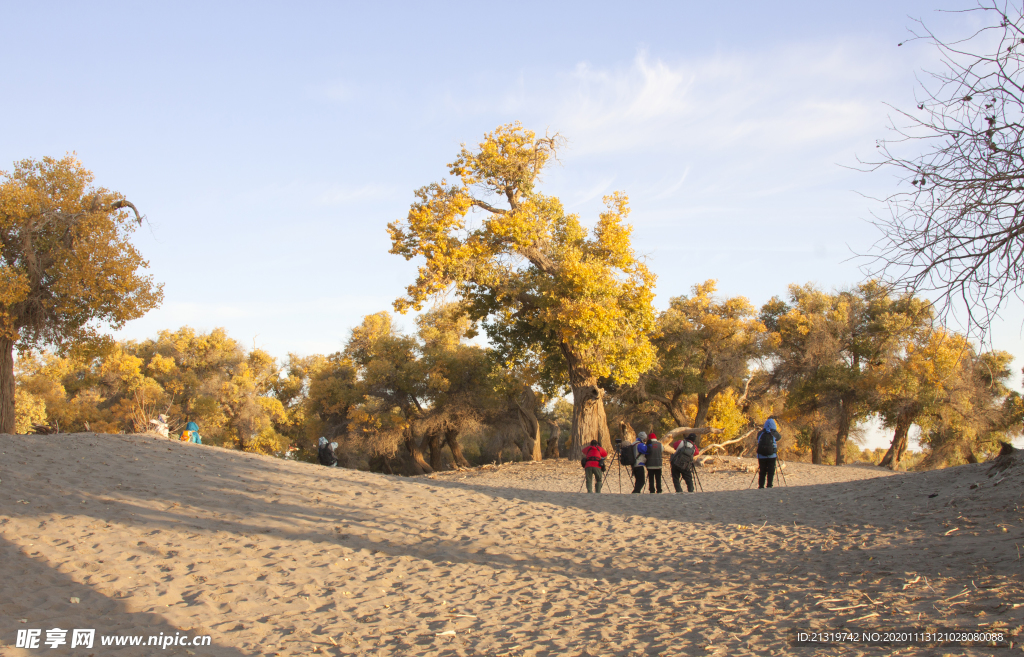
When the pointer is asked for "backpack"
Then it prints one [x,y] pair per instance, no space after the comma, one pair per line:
[589,459]
[765,443]
[627,455]
[326,455]
[683,458]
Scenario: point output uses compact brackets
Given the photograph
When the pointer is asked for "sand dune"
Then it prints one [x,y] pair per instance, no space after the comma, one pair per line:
[277,557]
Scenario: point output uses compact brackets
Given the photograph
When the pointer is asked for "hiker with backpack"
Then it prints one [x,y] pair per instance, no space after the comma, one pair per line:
[653,464]
[634,455]
[682,461]
[767,453]
[593,465]
[325,452]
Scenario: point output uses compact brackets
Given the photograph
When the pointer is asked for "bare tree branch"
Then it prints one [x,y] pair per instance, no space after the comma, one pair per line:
[957,227]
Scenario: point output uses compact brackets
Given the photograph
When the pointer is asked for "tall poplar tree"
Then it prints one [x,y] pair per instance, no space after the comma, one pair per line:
[543,285]
[66,263]
[705,346]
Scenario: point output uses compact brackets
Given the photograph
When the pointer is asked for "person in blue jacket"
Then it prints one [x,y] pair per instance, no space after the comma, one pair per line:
[639,462]
[191,434]
[767,453]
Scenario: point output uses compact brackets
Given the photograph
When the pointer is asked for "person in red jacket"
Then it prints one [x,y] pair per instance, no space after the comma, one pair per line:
[687,474]
[593,460]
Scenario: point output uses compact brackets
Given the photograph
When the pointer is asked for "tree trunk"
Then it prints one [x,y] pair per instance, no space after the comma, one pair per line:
[451,438]
[604,436]
[551,451]
[587,416]
[530,424]
[517,439]
[588,419]
[898,446]
[674,406]
[843,431]
[703,406]
[6,385]
[420,465]
[433,442]
[817,447]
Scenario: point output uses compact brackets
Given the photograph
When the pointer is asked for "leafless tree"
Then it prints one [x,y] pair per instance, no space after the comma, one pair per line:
[955,228]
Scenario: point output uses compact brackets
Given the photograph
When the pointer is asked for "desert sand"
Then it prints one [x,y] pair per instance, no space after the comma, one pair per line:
[136,535]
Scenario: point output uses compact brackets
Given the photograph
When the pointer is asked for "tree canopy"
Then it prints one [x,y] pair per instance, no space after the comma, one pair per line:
[705,346]
[66,263]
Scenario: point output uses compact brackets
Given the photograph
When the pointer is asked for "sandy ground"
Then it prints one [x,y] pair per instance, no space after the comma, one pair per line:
[133,535]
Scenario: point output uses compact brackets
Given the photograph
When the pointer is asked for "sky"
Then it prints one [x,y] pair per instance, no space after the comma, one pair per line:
[269,144]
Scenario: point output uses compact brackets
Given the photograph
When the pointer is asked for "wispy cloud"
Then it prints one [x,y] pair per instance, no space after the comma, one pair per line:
[672,189]
[312,193]
[785,98]
[586,195]
[336,195]
[335,90]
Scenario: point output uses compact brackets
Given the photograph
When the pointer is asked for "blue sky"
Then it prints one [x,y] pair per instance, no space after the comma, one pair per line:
[270,143]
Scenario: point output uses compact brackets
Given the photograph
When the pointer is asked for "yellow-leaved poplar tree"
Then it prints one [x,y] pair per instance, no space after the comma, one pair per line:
[546,288]
[66,263]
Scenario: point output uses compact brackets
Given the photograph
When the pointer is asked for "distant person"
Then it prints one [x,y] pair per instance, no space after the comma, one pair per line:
[767,453]
[593,464]
[326,453]
[191,434]
[682,461]
[654,454]
[159,426]
[639,448]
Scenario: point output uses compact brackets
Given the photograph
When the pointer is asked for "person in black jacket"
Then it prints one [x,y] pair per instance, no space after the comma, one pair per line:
[654,453]
[326,453]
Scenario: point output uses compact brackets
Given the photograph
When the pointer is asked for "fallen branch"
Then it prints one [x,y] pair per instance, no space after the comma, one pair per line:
[688,430]
[743,437]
